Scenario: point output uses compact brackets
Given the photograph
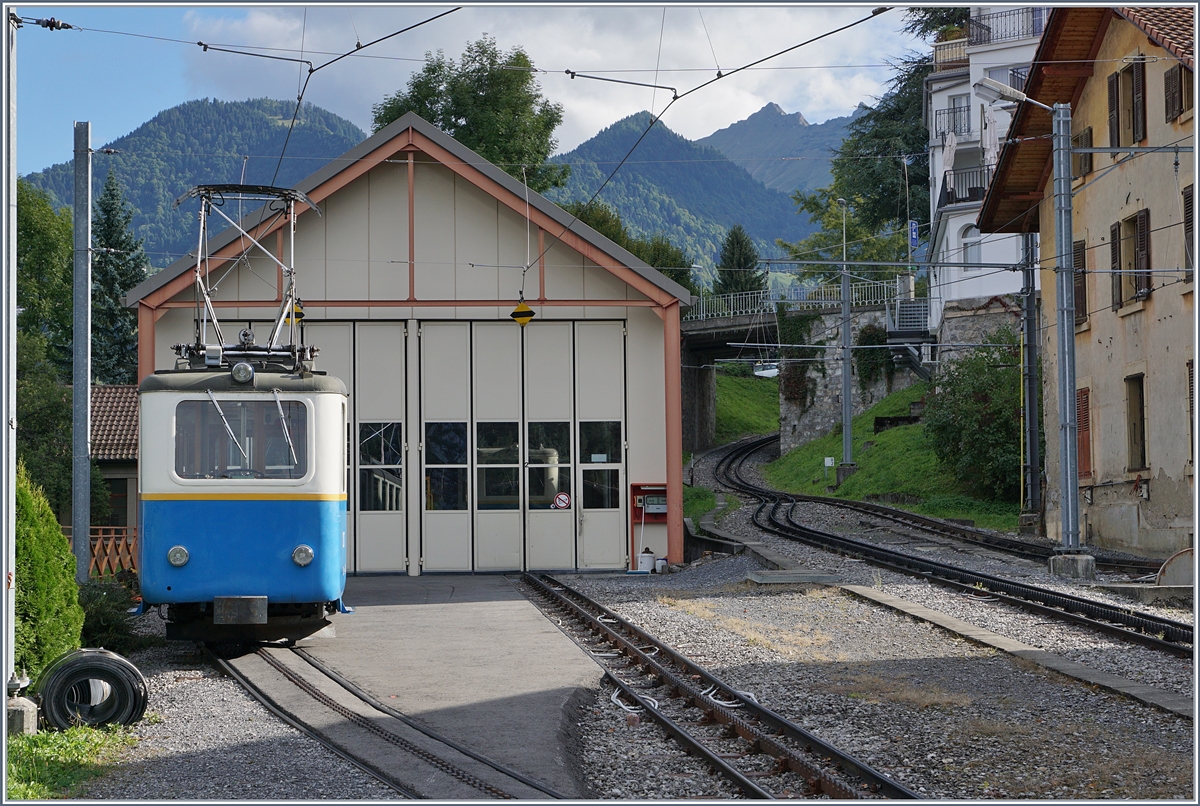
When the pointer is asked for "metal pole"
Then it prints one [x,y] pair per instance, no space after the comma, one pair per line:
[1064,271]
[847,411]
[8,361]
[81,370]
[1033,485]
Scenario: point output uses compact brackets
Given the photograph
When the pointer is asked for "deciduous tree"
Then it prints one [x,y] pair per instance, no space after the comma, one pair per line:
[45,261]
[862,242]
[490,102]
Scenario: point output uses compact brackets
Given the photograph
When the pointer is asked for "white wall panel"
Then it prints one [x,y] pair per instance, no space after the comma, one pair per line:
[600,370]
[435,225]
[549,370]
[475,242]
[564,278]
[346,245]
[380,361]
[446,362]
[387,221]
[309,261]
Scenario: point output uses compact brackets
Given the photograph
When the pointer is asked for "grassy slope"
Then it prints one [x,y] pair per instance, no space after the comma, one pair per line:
[746,406]
[899,461]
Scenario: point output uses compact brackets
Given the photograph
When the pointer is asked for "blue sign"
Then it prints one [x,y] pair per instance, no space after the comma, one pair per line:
[913,236]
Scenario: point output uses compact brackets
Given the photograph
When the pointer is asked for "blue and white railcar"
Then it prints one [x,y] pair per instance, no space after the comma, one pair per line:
[243,500]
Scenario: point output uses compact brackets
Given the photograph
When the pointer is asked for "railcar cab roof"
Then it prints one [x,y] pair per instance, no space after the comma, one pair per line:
[219,380]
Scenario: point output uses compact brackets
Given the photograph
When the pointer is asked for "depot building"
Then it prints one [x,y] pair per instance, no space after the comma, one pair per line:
[475,443]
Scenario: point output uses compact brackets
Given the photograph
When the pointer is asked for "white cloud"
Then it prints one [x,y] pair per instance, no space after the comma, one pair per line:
[822,80]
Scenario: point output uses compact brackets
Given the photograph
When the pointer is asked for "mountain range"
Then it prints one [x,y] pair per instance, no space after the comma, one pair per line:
[691,192]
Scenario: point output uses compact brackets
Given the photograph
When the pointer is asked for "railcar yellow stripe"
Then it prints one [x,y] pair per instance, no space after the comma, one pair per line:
[243,496]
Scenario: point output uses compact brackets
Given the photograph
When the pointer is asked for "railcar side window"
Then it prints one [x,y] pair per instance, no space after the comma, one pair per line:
[264,446]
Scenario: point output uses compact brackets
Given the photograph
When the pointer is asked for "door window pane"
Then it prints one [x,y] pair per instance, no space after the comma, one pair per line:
[599,443]
[380,444]
[499,488]
[380,489]
[601,489]
[549,443]
[445,443]
[497,443]
[547,482]
[446,488]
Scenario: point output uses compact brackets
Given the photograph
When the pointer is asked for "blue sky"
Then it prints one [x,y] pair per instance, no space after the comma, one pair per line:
[118,81]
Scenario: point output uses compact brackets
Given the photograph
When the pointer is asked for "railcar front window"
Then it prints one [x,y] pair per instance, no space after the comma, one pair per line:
[259,448]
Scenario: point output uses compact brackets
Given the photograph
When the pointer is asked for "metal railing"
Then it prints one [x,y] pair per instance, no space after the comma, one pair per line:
[950,55]
[908,315]
[964,185]
[1005,26]
[751,303]
[956,119]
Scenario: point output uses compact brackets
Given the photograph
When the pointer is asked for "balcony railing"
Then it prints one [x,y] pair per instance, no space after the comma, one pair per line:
[956,119]
[908,315]
[1005,26]
[964,185]
[950,55]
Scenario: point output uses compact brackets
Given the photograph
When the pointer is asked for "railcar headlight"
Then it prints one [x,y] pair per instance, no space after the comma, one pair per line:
[302,555]
[177,556]
[242,372]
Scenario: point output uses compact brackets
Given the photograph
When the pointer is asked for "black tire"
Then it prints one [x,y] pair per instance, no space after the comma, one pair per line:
[91,687]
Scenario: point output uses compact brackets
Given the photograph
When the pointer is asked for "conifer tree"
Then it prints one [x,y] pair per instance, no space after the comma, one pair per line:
[118,264]
[736,269]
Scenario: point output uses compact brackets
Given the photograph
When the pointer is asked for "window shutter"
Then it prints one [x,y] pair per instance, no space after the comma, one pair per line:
[1141,252]
[1191,412]
[1079,256]
[1083,417]
[1085,160]
[1173,92]
[1188,232]
[1139,101]
[1114,120]
[1114,237]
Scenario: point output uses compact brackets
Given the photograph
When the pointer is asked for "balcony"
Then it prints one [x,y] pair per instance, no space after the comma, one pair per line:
[950,55]
[1007,26]
[956,119]
[964,185]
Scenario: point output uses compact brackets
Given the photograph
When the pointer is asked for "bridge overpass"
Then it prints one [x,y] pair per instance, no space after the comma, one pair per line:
[715,322]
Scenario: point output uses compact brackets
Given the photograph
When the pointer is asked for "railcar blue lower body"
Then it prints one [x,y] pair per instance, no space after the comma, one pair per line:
[242,548]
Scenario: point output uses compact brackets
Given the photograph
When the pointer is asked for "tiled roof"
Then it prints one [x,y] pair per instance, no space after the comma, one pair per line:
[1173,28]
[115,422]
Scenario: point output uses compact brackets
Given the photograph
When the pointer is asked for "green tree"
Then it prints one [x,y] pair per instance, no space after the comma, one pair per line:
[738,263]
[490,102]
[48,616]
[862,242]
[44,430]
[45,262]
[656,251]
[973,417]
[117,266]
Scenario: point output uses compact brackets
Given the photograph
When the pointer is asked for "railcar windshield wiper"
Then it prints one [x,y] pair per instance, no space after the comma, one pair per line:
[228,430]
[286,433]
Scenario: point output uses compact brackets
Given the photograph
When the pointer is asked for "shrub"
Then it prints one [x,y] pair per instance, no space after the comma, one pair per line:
[49,618]
[106,619]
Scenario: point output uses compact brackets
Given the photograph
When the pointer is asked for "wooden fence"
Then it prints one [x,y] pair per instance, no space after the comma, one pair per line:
[114,549]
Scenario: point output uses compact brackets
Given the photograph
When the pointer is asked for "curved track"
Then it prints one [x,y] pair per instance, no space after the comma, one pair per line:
[435,757]
[775,514]
[757,750]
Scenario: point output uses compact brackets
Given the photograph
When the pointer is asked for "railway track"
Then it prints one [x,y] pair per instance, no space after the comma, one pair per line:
[762,754]
[398,751]
[776,514]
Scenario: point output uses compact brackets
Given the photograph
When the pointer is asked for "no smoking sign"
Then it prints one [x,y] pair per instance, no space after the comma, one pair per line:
[562,501]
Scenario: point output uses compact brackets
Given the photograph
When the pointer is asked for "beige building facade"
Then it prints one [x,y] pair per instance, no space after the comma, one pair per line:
[1127,74]
[474,444]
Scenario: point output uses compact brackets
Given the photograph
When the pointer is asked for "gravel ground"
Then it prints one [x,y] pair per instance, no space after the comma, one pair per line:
[205,738]
[941,715]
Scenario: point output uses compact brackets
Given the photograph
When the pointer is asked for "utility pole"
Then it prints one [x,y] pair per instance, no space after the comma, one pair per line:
[8,352]
[1033,459]
[81,370]
[847,467]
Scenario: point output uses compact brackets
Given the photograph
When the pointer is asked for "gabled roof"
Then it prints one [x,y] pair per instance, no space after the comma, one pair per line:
[1172,28]
[1062,65]
[115,422]
[383,145]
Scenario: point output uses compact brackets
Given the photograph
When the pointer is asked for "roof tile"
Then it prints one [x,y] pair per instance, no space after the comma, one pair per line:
[1172,27]
[115,422]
